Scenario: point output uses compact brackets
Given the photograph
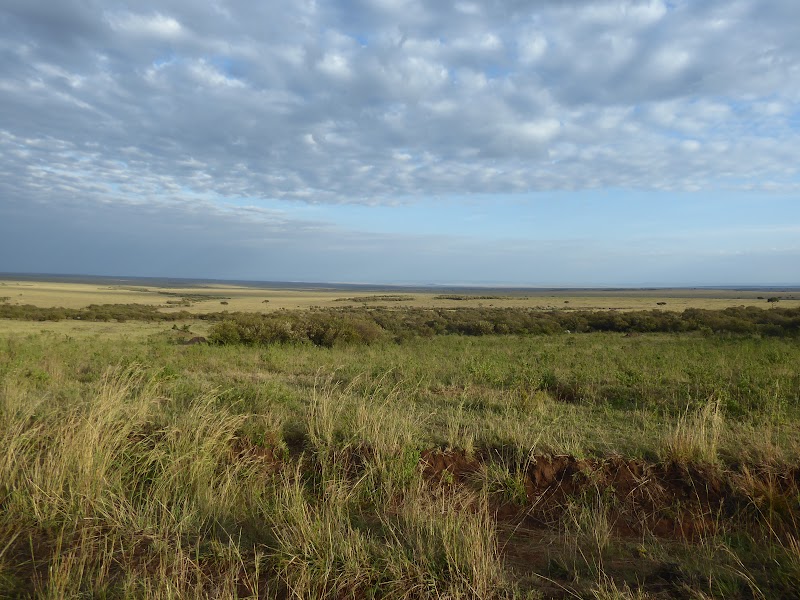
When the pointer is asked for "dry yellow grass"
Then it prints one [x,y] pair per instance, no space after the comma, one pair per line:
[251,299]
[87,329]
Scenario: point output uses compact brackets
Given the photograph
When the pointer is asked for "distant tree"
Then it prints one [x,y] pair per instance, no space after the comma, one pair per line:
[773,299]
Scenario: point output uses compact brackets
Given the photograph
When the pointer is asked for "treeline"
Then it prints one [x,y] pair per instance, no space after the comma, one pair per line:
[358,325]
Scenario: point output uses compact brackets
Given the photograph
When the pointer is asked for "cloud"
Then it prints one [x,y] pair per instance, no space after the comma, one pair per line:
[481,97]
[155,25]
[188,108]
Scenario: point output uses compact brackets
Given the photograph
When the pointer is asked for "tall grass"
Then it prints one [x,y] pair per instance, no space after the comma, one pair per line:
[423,547]
[695,436]
[145,469]
[112,477]
[131,493]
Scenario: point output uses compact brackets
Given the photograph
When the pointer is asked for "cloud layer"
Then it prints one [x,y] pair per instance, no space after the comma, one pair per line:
[381,100]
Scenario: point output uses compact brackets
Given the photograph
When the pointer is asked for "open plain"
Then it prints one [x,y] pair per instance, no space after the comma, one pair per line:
[215,296]
[400,443]
[366,299]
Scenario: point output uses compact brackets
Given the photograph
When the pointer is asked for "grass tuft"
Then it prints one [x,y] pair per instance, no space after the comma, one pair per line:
[695,436]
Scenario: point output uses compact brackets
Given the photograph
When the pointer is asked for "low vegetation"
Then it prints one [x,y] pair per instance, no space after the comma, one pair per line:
[469,453]
[401,323]
[466,297]
[326,327]
[93,312]
[185,297]
[377,298]
[400,452]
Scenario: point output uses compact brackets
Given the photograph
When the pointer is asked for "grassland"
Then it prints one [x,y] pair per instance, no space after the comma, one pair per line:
[208,298]
[591,465]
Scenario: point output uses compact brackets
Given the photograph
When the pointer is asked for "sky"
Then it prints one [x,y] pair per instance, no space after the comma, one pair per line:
[538,143]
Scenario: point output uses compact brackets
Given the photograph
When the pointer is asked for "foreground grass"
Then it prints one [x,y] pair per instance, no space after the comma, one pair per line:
[127,493]
[145,469]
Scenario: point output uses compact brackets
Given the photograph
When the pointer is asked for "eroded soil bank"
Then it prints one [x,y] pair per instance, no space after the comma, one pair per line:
[666,500]
[567,526]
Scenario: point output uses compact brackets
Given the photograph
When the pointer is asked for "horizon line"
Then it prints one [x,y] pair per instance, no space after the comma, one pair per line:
[404,284]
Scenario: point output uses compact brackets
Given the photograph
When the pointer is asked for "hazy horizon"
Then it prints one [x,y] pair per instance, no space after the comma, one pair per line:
[489,285]
[639,143]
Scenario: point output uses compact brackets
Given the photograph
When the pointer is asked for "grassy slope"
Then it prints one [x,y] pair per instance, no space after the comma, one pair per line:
[135,467]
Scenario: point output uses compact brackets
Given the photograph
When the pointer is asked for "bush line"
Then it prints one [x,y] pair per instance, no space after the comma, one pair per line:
[329,327]
[325,327]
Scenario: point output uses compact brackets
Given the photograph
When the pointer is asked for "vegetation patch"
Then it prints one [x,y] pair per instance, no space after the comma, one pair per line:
[377,298]
[319,329]
[467,297]
[184,297]
[356,325]
[94,312]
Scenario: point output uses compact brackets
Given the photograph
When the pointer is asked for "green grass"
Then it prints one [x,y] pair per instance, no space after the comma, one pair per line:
[135,467]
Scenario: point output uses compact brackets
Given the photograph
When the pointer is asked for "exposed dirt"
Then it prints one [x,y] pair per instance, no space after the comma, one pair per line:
[266,457]
[666,500]
[539,505]
[451,465]
[674,502]
[680,505]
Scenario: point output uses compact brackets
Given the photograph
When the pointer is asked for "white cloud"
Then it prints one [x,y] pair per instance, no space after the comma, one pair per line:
[209,75]
[154,25]
[532,47]
[335,65]
[316,101]
[536,131]
[612,12]
[669,61]
[690,145]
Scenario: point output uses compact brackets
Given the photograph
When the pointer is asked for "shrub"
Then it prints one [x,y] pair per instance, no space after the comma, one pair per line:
[326,327]
[225,332]
[293,327]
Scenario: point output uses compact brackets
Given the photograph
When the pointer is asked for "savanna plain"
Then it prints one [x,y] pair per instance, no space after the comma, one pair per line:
[221,441]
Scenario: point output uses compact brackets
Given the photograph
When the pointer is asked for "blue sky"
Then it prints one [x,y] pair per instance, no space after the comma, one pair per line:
[398,141]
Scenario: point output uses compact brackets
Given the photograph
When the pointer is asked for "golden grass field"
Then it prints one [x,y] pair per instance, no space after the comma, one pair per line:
[252,299]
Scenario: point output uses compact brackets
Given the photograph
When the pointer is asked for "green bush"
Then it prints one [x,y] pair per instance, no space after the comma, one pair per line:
[328,327]
[325,330]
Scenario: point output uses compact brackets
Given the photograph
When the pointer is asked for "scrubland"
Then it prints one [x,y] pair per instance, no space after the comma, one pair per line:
[397,453]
